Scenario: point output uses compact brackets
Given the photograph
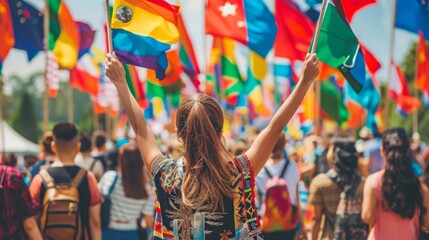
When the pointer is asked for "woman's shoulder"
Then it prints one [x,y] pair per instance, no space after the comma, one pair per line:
[163,163]
[374,179]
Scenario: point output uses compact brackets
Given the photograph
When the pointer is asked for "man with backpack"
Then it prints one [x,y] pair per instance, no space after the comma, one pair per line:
[68,193]
[278,200]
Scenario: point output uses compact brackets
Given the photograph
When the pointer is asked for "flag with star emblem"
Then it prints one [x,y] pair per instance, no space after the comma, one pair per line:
[413,16]
[7,39]
[249,22]
[28,27]
[422,61]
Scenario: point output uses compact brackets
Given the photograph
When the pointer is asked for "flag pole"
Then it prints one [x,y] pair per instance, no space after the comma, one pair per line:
[318,26]
[416,94]
[317,85]
[46,43]
[109,27]
[110,50]
[3,138]
[389,68]
[70,104]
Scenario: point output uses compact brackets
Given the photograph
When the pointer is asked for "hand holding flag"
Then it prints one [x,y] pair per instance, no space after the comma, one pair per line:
[310,68]
[114,69]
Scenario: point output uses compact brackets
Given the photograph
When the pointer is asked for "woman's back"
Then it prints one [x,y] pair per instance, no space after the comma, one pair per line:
[125,211]
[389,225]
[238,220]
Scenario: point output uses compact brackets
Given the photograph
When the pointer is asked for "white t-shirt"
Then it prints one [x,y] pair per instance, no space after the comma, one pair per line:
[124,211]
[86,163]
[291,177]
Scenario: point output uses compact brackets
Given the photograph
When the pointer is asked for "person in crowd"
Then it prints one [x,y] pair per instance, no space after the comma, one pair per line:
[64,172]
[417,145]
[326,188]
[320,154]
[395,201]
[372,154]
[47,156]
[131,194]
[17,208]
[239,147]
[175,148]
[86,161]
[99,152]
[204,197]
[12,161]
[286,169]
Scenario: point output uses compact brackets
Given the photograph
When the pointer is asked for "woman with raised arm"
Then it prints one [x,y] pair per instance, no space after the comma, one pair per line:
[209,195]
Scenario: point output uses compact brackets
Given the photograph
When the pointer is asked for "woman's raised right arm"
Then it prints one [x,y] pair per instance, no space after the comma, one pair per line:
[145,139]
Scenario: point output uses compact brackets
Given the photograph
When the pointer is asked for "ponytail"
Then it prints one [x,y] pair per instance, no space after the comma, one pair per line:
[207,177]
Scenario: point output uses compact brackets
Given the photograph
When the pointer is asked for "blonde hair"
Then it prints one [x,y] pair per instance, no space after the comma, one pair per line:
[207,177]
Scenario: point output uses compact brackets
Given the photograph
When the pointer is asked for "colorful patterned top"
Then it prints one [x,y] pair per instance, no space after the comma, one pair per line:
[173,220]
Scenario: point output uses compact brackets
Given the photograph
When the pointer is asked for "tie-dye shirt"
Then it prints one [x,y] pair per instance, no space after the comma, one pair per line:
[173,220]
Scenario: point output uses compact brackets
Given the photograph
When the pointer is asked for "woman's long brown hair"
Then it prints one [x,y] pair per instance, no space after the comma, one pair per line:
[134,176]
[207,176]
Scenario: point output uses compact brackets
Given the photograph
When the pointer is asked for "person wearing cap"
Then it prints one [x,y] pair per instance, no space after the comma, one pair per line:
[326,188]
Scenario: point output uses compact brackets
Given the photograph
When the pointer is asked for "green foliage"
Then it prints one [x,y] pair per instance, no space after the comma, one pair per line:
[24,120]
[86,123]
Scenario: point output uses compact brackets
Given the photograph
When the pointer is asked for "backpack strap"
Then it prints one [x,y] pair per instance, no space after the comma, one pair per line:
[268,172]
[92,164]
[47,179]
[78,178]
[112,187]
[284,168]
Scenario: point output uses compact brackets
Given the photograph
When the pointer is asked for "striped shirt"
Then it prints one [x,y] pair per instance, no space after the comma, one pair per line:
[124,211]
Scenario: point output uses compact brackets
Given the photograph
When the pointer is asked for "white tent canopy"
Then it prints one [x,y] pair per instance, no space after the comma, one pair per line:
[13,142]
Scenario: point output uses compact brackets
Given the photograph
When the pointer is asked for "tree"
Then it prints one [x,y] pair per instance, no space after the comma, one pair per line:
[24,120]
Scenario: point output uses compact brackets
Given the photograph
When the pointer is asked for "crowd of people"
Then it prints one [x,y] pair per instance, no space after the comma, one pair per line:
[200,185]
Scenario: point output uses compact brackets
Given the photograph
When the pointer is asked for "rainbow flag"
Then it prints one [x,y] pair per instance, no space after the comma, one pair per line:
[64,37]
[7,39]
[143,31]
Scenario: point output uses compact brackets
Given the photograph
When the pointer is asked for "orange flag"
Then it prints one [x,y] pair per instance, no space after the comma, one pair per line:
[422,61]
[7,39]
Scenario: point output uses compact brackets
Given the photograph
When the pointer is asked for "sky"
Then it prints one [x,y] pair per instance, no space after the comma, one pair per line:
[372,26]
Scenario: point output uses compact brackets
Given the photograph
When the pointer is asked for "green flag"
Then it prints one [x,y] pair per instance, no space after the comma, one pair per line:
[338,47]
[332,102]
